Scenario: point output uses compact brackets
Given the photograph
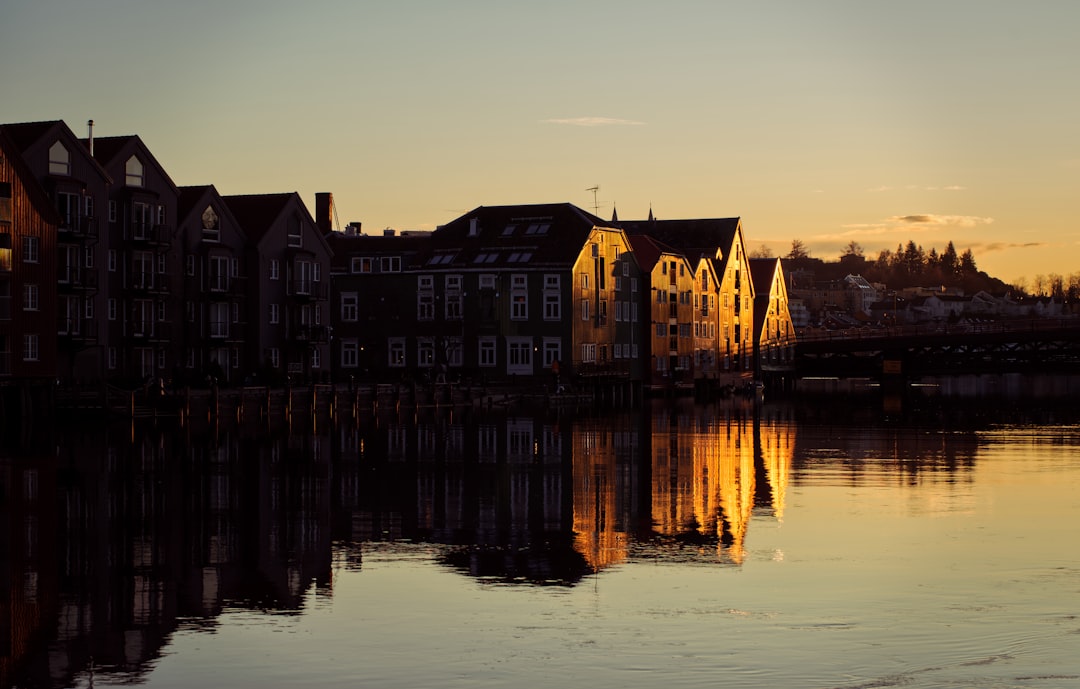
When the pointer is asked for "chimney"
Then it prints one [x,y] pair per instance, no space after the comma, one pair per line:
[90,136]
[389,232]
[324,212]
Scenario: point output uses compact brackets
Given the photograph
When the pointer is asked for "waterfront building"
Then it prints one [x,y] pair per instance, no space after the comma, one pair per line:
[288,265]
[214,249]
[142,279]
[28,226]
[77,189]
[774,330]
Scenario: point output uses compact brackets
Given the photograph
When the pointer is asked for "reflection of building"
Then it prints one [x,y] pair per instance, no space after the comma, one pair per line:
[605,482]
[703,478]
[774,436]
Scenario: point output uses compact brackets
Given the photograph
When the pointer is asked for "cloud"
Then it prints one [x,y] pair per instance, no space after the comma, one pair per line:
[876,190]
[592,121]
[941,220]
[1003,246]
[916,187]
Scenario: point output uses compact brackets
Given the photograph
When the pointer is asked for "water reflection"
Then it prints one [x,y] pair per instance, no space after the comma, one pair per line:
[114,538]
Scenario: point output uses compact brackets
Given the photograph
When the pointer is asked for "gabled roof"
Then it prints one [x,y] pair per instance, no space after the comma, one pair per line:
[194,199]
[548,233]
[647,251]
[762,274]
[108,148]
[38,198]
[693,237]
[25,135]
[257,212]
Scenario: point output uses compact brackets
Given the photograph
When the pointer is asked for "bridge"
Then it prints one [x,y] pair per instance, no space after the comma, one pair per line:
[1045,345]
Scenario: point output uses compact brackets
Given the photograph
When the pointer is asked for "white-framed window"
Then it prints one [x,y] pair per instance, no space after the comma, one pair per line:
[275,357]
[626,269]
[30,347]
[316,358]
[294,232]
[88,257]
[425,306]
[134,173]
[487,351]
[350,306]
[487,281]
[110,308]
[59,160]
[161,215]
[112,211]
[234,357]
[396,350]
[30,297]
[190,308]
[425,282]
[552,306]
[110,358]
[161,264]
[390,264]
[584,281]
[275,269]
[275,314]
[350,354]
[455,352]
[519,352]
[588,353]
[552,350]
[88,309]
[425,352]
[618,350]
[161,358]
[111,260]
[160,308]
[453,306]
[235,312]
[633,284]
[584,309]
[31,249]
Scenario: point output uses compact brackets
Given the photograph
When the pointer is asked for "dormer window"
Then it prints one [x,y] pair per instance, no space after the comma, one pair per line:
[59,160]
[295,238]
[133,172]
[210,232]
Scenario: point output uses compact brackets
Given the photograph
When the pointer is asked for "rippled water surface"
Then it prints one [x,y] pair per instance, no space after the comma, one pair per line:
[776,546]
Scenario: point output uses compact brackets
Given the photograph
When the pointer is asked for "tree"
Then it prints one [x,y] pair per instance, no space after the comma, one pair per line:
[798,250]
[853,249]
[950,264]
[967,262]
[762,251]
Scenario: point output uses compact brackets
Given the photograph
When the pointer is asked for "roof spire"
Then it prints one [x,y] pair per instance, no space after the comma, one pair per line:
[614,214]
[651,218]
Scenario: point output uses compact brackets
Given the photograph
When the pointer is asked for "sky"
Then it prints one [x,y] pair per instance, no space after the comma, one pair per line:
[825,121]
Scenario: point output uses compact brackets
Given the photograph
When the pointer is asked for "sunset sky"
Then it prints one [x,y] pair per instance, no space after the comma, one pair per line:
[825,121]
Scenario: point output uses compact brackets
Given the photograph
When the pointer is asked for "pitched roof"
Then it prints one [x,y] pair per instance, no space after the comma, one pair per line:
[762,272]
[189,197]
[697,236]
[527,234]
[646,251]
[38,198]
[108,148]
[25,134]
[257,212]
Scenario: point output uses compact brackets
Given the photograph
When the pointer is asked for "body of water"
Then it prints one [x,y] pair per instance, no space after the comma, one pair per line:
[824,542]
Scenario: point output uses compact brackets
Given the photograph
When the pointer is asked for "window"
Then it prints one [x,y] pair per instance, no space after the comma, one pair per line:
[190,307]
[88,257]
[661,331]
[161,358]
[234,357]
[552,306]
[190,358]
[30,347]
[189,265]
[133,172]
[487,351]
[88,309]
[30,297]
[519,298]
[519,355]
[59,160]
[110,309]
[349,354]
[275,357]
[112,211]
[487,282]
[275,269]
[390,264]
[349,306]
[274,314]
[453,306]
[31,249]
[584,281]
[425,352]
[294,232]
[110,358]
[425,282]
[455,355]
[111,260]
[396,349]
[316,358]
[552,350]
[210,230]
[425,306]
[588,353]
[584,309]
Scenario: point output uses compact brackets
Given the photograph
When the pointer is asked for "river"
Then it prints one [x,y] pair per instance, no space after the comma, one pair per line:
[836,541]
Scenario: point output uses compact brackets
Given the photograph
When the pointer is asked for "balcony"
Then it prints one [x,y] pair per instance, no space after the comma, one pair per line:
[219,330]
[77,279]
[316,334]
[308,289]
[80,227]
[147,233]
[149,330]
[76,330]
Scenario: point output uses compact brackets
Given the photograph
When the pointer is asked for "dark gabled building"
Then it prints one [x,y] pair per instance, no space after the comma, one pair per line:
[142,279]
[288,266]
[28,225]
[77,188]
[774,332]
[214,250]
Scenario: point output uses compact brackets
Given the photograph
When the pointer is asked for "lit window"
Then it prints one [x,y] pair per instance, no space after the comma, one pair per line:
[133,172]
[59,160]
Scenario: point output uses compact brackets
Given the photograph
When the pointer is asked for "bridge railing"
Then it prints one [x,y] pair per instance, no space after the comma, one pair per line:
[896,331]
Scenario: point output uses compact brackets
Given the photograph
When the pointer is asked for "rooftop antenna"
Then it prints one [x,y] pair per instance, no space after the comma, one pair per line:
[595,205]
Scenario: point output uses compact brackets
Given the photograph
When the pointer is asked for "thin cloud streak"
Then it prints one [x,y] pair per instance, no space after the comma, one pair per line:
[593,121]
